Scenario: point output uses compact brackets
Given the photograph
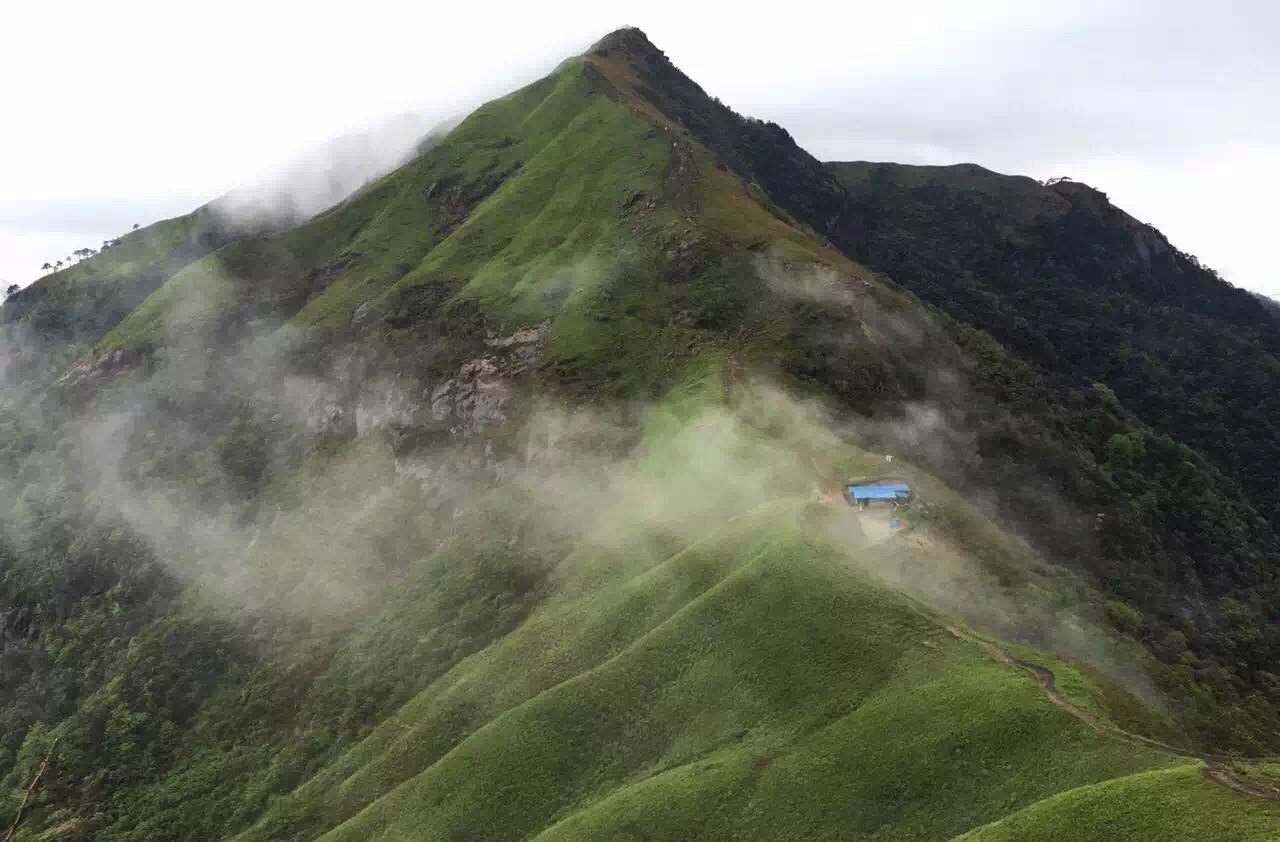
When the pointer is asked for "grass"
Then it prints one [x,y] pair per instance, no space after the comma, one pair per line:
[84,301]
[710,669]
[562,201]
[1167,804]
[751,686]
[688,670]
[261,276]
[132,254]
[1087,689]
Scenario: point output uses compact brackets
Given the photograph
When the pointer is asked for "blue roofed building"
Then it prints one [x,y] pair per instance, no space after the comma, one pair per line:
[895,493]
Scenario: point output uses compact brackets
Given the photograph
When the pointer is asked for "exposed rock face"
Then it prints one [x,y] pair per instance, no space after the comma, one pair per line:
[383,406]
[475,398]
[92,371]
[526,341]
[330,416]
[480,395]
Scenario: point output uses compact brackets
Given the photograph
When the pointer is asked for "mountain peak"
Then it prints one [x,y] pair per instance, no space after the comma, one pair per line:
[537,449]
[630,42]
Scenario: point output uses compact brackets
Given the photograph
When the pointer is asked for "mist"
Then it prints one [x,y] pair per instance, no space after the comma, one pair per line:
[332,172]
[336,511]
[966,554]
[298,503]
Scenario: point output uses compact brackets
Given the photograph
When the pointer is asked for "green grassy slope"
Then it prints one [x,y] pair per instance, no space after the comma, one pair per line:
[1166,804]
[1163,371]
[568,200]
[1107,405]
[550,152]
[81,303]
[705,658]
[755,685]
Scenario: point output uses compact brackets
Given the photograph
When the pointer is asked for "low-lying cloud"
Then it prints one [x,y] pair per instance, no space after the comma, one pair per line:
[326,176]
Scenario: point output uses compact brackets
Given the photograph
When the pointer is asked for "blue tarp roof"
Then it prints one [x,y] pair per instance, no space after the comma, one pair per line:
[879,492]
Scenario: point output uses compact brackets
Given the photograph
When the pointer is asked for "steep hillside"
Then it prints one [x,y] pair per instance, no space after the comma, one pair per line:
[1113,314]
[1165,804]
[501,500]
[1181,532]
[1182,535]
[801,741]
[77,306]
[1074,284]
[566,200]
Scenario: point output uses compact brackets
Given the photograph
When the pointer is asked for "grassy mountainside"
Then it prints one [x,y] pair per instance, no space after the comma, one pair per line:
[754,618]
[550,203]
[498,501]
[1182,540]
[1108,310]
[1165,804]
[77,306]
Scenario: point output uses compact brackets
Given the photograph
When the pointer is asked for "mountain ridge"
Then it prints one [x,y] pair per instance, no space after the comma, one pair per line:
[396,299]
[501,500]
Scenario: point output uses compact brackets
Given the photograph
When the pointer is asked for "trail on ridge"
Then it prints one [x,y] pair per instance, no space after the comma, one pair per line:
[1218,768]
[1221,769]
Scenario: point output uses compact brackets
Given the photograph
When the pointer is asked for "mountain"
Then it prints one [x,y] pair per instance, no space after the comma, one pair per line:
[1128,309]
[65,312]
[502,499]
[1271,304]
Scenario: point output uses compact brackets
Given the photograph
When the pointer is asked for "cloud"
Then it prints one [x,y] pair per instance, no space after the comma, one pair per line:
[1156,80]
[332,172]
[83,217]
[1098,91]
[303,498]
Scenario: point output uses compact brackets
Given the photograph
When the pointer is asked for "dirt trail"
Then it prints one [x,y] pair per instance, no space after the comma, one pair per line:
[1229,772]
[732,373]
[1222,770]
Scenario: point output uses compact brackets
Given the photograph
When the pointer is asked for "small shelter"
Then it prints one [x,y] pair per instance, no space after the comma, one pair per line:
[889,493]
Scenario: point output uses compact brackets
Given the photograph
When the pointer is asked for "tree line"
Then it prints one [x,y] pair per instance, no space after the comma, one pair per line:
[81,254]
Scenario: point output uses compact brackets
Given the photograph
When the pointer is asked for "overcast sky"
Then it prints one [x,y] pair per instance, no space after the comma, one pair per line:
[131,111]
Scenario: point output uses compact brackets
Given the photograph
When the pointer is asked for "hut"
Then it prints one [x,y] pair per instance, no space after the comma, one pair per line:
[862,495]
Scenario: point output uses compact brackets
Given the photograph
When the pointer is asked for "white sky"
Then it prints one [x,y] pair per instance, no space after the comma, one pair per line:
[132,111]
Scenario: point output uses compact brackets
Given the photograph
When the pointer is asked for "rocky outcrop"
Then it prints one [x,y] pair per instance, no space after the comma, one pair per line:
[91,371]
[480,395]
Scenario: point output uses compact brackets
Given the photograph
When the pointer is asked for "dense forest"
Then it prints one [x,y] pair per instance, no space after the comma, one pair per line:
[1124,325]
